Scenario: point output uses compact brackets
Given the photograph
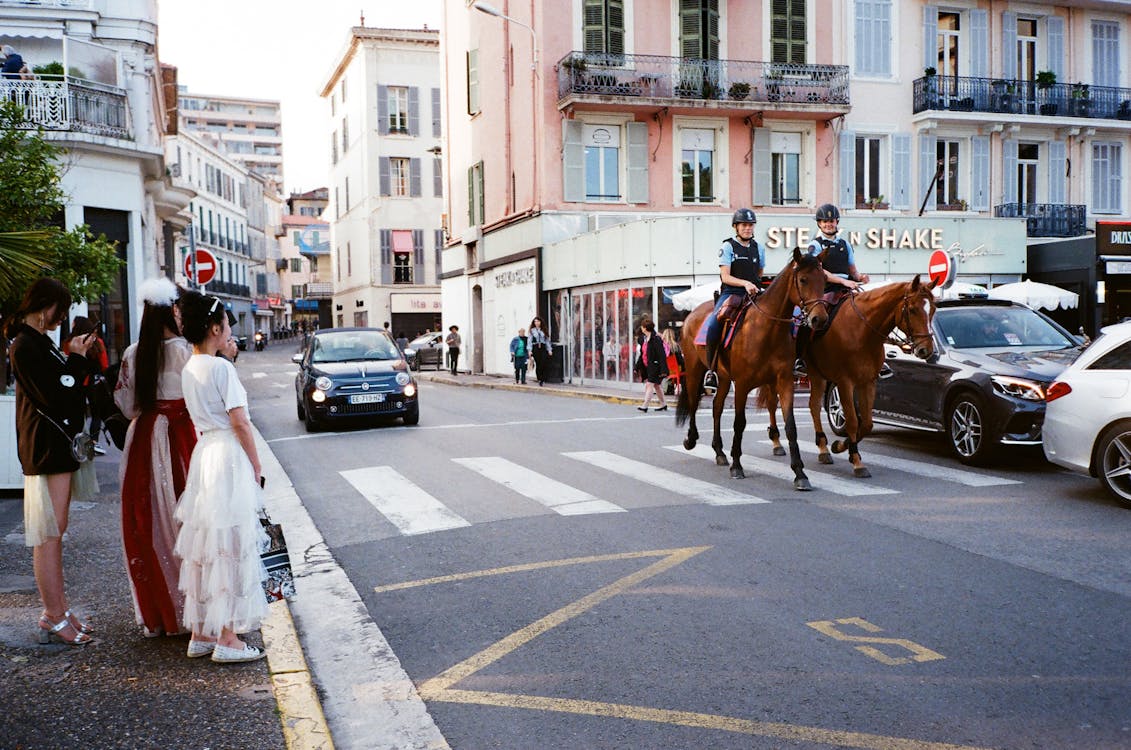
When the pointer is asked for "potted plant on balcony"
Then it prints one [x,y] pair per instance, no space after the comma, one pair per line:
[875,203]
[930,87]
[739,90]
[575,67]
[1080,100]
[1046,79]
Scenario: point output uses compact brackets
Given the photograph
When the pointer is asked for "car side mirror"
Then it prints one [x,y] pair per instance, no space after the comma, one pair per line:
[297,358]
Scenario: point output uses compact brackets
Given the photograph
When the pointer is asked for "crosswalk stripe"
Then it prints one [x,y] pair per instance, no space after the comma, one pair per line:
[781,470]
[406,506]
[558,497]
[696,489]
[925,469]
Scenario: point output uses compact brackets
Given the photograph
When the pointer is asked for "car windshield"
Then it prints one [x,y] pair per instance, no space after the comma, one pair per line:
[999,327]
[422,341]
[345,346]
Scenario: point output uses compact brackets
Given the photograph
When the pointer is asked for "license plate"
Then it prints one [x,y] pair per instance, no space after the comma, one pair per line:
[367,398]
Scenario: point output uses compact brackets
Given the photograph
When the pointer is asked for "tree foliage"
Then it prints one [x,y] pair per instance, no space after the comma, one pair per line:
[33,240]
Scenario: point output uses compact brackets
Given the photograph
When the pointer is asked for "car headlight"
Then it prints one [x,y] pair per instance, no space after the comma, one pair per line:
[1018,388]
[410,391]
[403,378]
[317,396]
[323,383]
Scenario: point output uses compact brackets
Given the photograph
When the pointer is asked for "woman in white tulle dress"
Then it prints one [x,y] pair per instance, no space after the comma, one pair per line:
[220,536]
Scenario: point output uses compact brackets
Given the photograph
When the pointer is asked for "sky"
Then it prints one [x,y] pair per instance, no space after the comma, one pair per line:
[283,50]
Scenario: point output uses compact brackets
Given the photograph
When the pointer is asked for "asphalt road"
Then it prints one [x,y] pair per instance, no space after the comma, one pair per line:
[559,573]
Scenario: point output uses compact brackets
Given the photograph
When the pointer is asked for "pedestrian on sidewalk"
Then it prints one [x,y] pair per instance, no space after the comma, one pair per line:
[520,350]
[654,360]
[220,537]
[98,361]
[675,361]
[155,460]
[453,341]
[541,349]
[50,408]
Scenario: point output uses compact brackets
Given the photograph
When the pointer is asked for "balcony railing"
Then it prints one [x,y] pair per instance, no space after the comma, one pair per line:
[963,94]
[662,77]
[1047,219]
[65,103]
[78,4]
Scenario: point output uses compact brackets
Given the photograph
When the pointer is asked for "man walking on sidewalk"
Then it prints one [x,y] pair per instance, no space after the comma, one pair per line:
[453,341]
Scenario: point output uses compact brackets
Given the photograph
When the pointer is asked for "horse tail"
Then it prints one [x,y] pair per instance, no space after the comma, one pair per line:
[765,398]
[683,404]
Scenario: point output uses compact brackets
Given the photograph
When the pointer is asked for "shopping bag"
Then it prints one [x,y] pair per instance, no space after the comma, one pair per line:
[280,583]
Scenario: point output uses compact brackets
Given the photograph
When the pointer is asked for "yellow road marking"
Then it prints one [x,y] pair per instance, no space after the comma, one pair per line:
[919,653]
[304,724]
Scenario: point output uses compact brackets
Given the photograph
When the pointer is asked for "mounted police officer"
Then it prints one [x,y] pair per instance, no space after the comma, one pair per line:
[741,261]
[839,262]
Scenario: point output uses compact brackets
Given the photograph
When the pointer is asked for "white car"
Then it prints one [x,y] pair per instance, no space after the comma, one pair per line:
[1088,413]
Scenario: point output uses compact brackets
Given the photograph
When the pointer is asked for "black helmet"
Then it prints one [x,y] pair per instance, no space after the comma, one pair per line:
[828,212]
[743,216]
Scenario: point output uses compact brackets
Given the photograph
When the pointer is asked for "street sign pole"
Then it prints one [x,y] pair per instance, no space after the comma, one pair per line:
[192,254]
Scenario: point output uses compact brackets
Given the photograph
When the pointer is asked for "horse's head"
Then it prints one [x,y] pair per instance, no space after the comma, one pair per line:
[808,287]
[914,317]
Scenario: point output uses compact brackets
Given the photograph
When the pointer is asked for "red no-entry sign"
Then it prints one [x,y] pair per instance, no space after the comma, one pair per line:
[205,266]
[941,269]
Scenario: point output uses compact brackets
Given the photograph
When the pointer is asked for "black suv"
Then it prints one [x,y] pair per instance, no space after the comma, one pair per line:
[985,386]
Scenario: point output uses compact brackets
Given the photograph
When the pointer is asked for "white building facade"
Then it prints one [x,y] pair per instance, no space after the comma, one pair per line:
[386,180]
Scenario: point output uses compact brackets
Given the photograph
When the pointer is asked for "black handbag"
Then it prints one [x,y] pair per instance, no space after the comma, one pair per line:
[82,444]
[280,582]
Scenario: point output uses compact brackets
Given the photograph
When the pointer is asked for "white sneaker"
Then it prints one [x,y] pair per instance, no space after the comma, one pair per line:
[197,649]
[227,655]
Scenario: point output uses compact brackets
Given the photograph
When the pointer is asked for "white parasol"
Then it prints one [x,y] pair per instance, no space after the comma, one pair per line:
[695,296]
[1036,294]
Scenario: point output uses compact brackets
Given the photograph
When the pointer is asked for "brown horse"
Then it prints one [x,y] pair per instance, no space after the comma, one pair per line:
[761,353]
[850,354]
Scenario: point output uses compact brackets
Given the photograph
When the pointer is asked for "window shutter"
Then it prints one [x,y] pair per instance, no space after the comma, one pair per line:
[382,109]
[472,81]
[594,26]
[873,37]
[689,32]
[614,25]
[980,173]
[413,110]
[437,178]
[847,148]
[384,175]
[900,171]
[573,162]
[471,196]
[438,243]
[435,113]
[1058,163]
[414,188]
[712,30]
[928,159]
[1105,53]
[763,171]
[1009,171]
[636,163]
[979,43]
[1009,46]
[418,256]
[930,36]
[1056,46]
[386,256]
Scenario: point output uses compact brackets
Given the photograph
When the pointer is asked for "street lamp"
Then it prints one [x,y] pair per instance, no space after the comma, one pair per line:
[491,10]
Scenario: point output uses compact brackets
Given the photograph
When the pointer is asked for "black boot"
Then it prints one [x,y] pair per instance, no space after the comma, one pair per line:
[710,378]
[799,369]
[885,371]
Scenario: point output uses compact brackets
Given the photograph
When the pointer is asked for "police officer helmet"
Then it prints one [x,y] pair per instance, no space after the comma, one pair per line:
[743,216]
[828,212]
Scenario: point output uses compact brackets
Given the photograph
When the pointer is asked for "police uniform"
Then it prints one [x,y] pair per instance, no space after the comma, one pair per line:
[839,257]
[746,262]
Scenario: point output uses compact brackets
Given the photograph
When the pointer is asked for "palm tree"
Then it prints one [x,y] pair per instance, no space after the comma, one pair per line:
[22,259]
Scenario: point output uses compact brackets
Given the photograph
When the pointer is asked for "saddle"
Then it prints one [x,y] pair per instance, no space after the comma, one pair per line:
[730,315]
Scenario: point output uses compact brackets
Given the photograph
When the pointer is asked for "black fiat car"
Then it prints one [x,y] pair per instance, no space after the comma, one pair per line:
[986,385]
[353,373]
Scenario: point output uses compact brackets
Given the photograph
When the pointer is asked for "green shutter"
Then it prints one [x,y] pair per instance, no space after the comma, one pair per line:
[787,31]
[615,28]
[471,196]
[594,36]
[689,35]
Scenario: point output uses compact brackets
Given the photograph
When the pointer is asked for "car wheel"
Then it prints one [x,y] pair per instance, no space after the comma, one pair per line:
[412,417]
[834,410]
[300,410]
[311,422]
[1113,461]
[968,432]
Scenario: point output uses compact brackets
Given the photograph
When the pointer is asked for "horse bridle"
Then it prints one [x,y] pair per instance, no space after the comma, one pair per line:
[904,321]
[805,306]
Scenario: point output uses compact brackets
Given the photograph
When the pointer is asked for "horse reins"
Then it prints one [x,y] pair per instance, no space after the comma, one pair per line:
[905,318]
[805,306]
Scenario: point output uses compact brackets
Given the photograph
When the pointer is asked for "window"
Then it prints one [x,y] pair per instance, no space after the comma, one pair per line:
[436,111]
[296,266]
[349,260]
[296,291]
[948,36]
[1107,175]
[868,170]
[787,31]
[602,162]
[946,191]
[398,109]
[398,171]
[1026,49]
[345,135]
[437,177]
[333,148]
[873,37]
[1105,53]
[402,256]
[475,194]
[473,82]
[699,29]
[338,263]
[1118,358]
[1028,159]
[604,29]
[697,165]
[785,168]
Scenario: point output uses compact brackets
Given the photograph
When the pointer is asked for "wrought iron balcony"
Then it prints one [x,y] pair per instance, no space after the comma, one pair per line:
[1047,219]
[71,104]
[964,94]
[735,81]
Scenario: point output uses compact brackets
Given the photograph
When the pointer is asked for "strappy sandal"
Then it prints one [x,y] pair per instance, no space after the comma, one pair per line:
[77,624]
[53,632]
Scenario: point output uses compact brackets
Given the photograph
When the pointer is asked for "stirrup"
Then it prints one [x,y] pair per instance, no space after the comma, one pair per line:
[710,383]
[886,372]
[799,369]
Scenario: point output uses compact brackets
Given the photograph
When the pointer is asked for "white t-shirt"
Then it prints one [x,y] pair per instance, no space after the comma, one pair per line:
[212,389]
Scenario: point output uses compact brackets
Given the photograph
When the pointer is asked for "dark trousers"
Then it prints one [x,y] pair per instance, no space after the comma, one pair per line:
[541,361]
[453,359]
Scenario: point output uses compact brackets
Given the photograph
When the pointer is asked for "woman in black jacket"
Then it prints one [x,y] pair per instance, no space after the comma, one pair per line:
[655,364]
[50,409]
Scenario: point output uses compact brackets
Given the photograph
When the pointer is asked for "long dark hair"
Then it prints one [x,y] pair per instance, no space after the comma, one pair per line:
[41,295]
[199,313]
[150,358]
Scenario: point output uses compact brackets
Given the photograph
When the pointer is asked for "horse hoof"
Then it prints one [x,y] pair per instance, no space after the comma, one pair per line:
[722,461]
[861,472]
[839,446]
[779,451]
[688,444]
[824,458]
[737,474]
[802,483]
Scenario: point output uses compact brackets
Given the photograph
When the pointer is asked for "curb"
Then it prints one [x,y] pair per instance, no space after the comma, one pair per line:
[486,381]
